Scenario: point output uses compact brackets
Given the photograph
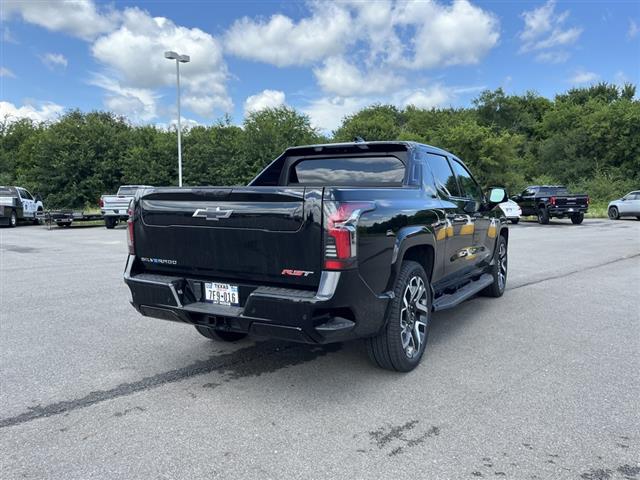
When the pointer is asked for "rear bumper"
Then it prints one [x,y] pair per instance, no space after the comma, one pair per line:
[121,213]
[565,211]
[343,307]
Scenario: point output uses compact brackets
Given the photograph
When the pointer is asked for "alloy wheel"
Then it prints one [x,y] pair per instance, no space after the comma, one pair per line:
[414,316]
[502,266]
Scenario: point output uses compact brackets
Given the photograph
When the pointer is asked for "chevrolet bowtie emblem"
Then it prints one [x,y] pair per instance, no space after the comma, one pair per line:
[212,214]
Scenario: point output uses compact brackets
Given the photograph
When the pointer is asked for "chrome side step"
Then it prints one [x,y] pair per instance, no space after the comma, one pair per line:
[448,301]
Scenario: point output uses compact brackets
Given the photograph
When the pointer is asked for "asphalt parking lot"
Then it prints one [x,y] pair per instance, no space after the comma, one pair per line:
[542,383]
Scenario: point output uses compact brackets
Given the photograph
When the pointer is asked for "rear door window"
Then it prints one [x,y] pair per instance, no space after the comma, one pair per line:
[386,170]
[445,180]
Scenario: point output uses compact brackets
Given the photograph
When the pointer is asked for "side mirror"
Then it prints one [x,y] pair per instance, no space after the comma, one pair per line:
[497,195]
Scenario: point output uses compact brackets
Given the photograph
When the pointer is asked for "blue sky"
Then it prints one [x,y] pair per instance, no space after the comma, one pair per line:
[327,59]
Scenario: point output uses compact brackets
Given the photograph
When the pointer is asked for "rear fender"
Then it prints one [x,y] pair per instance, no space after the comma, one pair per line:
[406,238]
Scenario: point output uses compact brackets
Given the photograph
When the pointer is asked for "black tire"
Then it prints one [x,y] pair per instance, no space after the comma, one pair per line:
[13,219]
[543,216]
[577,218]
[220,335]
[499,270]
[614,214]
[515,221]
[110,222]
[388,349]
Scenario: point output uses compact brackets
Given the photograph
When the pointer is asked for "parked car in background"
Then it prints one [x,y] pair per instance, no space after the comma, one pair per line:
[116,207]
[627,206]
[511,210]
[17,204]
[328,243]
[549,201]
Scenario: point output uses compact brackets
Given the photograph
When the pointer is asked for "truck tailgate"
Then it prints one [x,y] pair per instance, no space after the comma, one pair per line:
[570,201]
[118,202]
[245,233]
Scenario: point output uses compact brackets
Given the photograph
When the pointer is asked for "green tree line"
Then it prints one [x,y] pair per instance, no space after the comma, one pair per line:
[586,138]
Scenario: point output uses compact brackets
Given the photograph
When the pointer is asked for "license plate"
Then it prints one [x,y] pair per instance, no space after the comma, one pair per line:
[571,209]
[221,293]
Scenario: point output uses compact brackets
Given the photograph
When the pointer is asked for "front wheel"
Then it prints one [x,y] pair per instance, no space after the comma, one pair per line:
[401,343]
[614,214]
[110,222]
[498,270]
[220,335]
[515,221]
[577,218]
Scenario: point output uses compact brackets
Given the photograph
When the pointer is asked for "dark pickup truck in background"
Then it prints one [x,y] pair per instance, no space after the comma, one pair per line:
[549,201]
[328,243]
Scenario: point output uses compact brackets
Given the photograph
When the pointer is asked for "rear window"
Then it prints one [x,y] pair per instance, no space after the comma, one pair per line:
[386,170]
[127,190]
[553,191]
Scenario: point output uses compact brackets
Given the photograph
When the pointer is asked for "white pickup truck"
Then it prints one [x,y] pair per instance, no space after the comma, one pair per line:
[16,203]
[116,207]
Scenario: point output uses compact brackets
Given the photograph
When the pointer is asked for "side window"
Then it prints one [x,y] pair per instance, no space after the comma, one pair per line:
[24,194]
[443,176]
[469,186]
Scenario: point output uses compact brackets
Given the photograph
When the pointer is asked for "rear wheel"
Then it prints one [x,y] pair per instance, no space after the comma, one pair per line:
[543,216]
[220,335]
[614,214]
[110,222]
[515,221]
[577,218]
[402,342]
[498,270]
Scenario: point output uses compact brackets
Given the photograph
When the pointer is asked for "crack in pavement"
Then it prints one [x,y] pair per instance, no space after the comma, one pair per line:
[245,362]
[572,272]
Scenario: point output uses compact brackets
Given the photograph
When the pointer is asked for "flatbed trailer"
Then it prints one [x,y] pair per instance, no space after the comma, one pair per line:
[64,218]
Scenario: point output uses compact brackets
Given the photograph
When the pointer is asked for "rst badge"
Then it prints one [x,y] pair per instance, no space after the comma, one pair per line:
[287,272]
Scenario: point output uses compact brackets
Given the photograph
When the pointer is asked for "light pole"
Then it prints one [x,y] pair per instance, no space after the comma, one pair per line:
[179,59]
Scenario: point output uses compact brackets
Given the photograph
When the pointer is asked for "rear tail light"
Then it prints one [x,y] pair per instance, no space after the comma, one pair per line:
[130,239]
[101,202]
[552,200]
[588,200]
[340,224]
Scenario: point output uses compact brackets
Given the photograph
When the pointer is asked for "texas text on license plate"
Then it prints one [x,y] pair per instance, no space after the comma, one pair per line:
[221,293]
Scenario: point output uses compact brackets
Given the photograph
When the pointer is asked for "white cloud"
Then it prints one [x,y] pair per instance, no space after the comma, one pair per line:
[633,29]
[582,76]
[264,99]
[333,28]
[458,34]
[431,97]
[621,78]
[138,104]
[339,77]
[544,29]
[79,18]
[552,57]
[326,113]
[134,55]
[281,41]
[7,36]
[42,112]
[5,72]
[54,60]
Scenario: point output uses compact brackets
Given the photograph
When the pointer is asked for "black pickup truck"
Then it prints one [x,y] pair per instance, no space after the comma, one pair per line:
[549,201]
[328,243]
